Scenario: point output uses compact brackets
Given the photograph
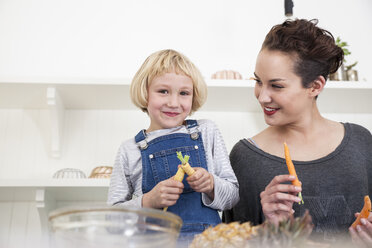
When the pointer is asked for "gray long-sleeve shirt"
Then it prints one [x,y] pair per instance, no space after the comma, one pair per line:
[333,187]
[126,179]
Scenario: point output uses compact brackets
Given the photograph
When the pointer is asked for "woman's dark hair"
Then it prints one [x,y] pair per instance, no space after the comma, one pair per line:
[314,49]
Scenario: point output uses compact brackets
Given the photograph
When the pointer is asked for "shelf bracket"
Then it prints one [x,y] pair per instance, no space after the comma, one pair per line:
[44,204]
[56,111]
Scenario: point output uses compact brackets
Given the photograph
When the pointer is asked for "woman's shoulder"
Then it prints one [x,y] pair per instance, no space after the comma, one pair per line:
[243,147]
[261,135]
[357,129]
[358,140]
[358,135]
[262,138]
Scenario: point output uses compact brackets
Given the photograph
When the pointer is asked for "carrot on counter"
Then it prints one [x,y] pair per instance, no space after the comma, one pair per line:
[292,170]
[364,213]
[185,164]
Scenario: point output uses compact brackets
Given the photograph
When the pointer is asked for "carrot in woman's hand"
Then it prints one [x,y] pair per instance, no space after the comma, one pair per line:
[364,213]
[292,171]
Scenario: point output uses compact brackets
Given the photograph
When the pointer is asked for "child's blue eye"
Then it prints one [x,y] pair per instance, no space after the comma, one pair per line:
[184,93]
[163,91]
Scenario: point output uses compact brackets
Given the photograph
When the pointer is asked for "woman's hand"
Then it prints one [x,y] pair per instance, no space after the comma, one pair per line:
[164,194]
[277,199]
[362,234]
[202,181]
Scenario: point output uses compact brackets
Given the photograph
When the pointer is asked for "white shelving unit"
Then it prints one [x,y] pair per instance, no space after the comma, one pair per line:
[231,95]
[48,192]
[58,95]
[59,189]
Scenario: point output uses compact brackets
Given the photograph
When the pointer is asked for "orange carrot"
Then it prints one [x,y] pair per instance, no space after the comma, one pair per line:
[292,170]
[364,213]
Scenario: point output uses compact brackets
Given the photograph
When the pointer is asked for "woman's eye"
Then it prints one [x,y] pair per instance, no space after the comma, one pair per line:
[255,79]
[184,93]
[258,81]
[277,86]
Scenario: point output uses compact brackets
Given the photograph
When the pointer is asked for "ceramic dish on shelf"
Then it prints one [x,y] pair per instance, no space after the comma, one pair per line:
[227,74]
[69,173]
[101,172]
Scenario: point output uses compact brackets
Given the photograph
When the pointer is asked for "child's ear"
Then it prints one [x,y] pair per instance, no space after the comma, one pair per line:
[317,86]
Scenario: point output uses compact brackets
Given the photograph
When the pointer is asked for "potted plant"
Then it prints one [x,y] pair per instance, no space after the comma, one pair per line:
[345,72]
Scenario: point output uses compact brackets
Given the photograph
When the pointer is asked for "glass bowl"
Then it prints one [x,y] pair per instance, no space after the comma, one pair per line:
[102,226]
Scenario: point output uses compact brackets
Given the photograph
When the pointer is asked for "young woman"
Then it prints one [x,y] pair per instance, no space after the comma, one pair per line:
[333,160]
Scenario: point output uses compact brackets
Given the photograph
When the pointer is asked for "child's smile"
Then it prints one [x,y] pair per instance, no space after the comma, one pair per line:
[171,114]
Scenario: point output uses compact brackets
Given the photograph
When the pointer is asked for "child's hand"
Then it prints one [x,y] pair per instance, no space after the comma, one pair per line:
[164,194]
[202,181]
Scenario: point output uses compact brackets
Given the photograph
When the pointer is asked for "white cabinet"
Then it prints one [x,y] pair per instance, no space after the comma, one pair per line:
[223,95]
[45,195]
[60,96]
[87,189]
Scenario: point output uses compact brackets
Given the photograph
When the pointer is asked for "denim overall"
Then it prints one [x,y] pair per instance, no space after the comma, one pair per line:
[160,162]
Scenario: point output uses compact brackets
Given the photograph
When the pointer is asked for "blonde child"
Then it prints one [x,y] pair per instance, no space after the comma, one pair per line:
[169,88]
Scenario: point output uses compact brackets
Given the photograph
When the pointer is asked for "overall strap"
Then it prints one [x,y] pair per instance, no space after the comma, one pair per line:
[191,123]
[140,139]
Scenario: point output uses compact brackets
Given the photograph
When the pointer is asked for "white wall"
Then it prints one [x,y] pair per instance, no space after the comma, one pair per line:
[111,38]
[92,137]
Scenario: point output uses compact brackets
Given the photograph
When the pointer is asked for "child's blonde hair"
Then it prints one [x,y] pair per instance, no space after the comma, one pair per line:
[159,63]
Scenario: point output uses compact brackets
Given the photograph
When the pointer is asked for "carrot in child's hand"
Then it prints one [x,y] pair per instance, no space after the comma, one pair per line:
[185,164]
[180,174]
[292,171]
[364,213]
[185,167]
